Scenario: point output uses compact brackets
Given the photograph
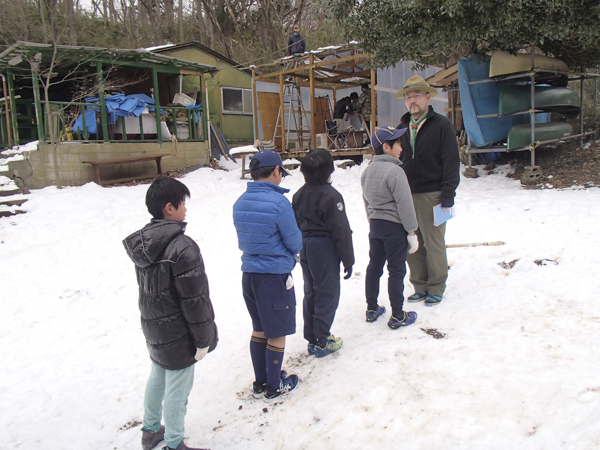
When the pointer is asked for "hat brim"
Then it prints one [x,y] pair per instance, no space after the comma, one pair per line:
[431,91]
[392,137]
[284,171]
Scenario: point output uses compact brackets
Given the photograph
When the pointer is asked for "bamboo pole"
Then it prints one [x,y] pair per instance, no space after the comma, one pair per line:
[476,244]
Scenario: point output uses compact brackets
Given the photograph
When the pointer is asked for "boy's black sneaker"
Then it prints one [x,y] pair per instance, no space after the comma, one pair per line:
[258,389]
[408,319]
[372,316]
[286,385]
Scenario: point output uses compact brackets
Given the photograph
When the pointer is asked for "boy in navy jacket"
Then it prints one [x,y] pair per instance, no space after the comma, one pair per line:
[327,240]
[269,238]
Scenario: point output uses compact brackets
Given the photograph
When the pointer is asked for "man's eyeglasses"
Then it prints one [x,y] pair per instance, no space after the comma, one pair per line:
[414,96]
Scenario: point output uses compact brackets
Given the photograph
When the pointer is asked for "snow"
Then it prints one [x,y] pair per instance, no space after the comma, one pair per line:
[243,149]
[517,368]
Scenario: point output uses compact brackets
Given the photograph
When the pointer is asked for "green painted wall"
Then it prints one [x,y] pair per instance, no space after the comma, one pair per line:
[237,128]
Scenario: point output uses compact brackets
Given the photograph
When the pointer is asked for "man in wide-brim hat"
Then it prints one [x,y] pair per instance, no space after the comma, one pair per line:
[431,160]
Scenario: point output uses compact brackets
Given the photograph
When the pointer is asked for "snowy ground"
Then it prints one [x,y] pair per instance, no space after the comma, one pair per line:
[518,367]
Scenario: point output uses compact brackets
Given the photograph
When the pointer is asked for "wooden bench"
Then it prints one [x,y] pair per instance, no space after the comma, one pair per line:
[96,165]
[243,155]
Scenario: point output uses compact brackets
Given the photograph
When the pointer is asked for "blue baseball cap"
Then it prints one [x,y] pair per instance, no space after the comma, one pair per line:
[268,158]
[385,134]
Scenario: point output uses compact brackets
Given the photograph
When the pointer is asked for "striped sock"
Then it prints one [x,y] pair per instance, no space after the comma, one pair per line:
[274,357]
[258,347]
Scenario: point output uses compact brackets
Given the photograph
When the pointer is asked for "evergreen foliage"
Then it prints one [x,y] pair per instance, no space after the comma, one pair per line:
[433,31]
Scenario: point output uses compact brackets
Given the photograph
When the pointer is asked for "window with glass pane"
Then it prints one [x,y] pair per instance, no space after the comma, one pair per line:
[237,101]
[233,101]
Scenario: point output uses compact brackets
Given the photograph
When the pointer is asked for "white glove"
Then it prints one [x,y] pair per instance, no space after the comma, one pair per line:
[201,353]
[413,243]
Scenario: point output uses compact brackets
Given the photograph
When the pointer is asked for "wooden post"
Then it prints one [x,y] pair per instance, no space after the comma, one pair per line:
[532,110]
[282,113]
[255,106]
[581,113]
[373,101]
[13,106]
[38,105]
[103,116]
[204,101]
[313,112]
[157,105]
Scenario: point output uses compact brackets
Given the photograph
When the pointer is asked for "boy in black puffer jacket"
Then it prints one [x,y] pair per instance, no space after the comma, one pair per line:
[177,314]
[327,240]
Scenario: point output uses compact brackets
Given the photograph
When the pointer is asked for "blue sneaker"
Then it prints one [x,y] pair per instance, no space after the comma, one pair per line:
[258,389]
[372,316]
[286,385]
[433,299]
[311,347]
[332,345]
[417,297]
[409,319]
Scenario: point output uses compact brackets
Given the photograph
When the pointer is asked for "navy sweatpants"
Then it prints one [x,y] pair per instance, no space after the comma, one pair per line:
[321,272]
[387,242]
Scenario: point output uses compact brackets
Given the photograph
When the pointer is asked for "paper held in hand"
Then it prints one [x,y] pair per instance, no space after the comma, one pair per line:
[441,215]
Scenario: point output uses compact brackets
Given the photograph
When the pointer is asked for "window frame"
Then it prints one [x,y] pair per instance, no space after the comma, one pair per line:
[245,105]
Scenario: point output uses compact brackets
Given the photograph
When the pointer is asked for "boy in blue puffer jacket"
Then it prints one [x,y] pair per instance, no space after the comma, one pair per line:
[269,238]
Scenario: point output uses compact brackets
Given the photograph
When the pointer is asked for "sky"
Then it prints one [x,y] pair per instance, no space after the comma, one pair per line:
[515,364]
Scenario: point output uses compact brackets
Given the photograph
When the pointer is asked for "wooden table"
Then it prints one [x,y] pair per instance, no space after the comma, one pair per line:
[96,165]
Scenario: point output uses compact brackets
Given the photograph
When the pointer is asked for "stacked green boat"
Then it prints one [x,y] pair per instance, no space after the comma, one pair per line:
[517,98]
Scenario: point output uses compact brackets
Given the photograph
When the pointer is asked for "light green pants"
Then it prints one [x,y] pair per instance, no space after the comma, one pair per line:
[166,395]
[429,265]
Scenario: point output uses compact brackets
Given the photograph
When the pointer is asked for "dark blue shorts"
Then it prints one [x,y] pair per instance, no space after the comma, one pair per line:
[271,305]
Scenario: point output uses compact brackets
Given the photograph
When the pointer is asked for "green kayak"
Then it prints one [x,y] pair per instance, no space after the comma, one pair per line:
[520,135]
[517,98]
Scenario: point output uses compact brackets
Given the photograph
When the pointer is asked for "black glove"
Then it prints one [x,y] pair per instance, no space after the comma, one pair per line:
[348,272]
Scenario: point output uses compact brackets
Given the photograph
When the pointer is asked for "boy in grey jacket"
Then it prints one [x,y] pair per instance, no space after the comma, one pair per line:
[392,225]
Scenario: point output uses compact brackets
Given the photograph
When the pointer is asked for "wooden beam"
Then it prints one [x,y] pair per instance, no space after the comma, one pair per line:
[443,74]
[37,101]
[156,105]
[103,116]
[335,62]
[255,105]
[13,106]
[373,102]
[313,113]
[282,113]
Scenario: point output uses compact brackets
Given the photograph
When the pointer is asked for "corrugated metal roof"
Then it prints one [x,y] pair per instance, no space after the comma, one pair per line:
[18,55]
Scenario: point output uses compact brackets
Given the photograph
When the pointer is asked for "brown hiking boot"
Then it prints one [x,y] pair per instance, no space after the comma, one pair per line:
[150,439]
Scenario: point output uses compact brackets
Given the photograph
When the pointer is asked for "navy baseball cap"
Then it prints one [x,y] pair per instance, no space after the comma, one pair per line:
[384,134]
[268,158]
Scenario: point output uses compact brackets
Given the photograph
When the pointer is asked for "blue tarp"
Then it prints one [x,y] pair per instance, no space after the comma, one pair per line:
[119,105]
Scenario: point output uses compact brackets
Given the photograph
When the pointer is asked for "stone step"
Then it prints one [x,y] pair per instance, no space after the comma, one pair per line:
[10,201]
[8,191]
[6,211]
